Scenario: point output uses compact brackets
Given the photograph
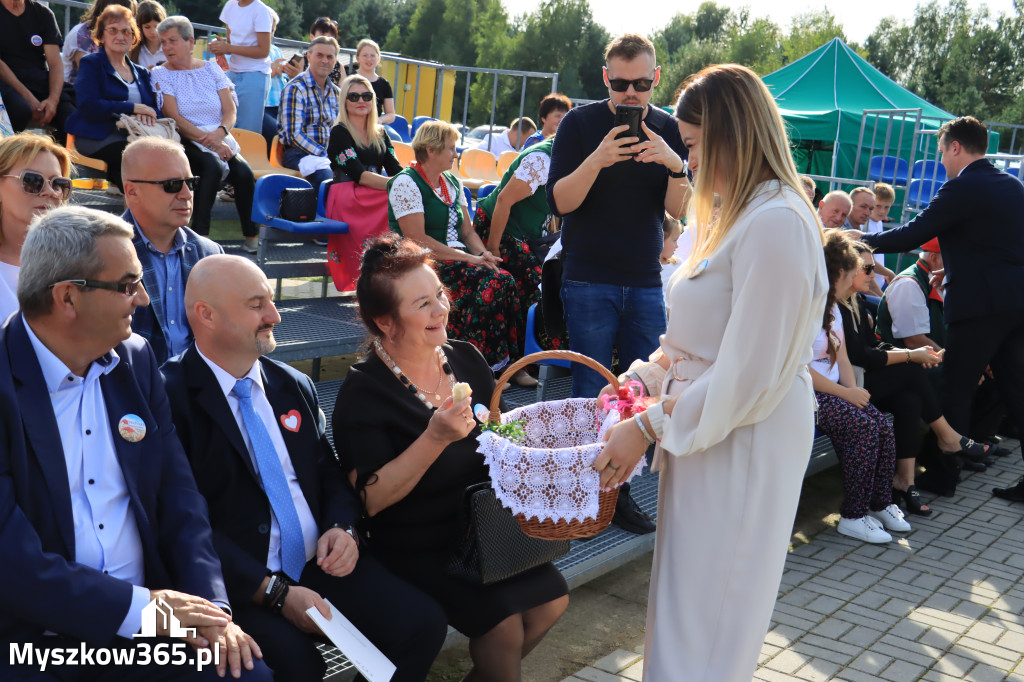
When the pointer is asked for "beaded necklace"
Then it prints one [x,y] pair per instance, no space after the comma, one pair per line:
[446,370]
[446,196]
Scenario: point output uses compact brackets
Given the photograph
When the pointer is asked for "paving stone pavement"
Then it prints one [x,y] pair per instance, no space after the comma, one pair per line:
[942,603]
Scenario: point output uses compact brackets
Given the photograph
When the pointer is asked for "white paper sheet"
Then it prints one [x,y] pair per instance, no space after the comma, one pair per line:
[367,658]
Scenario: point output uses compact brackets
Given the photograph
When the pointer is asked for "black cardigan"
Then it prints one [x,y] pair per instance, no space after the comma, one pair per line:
[863,347]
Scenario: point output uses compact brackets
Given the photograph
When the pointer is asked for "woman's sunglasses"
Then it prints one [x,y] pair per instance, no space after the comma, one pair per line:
[622,84]
[172,186]
[356,96]
[34,183]
[868,268]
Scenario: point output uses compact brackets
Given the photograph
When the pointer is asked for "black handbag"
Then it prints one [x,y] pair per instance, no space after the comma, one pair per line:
[492,546]
[539,246]
[298,204]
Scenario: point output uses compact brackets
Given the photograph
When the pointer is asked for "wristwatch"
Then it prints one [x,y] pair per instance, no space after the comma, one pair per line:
[680,174]
[226,131]
[348,529]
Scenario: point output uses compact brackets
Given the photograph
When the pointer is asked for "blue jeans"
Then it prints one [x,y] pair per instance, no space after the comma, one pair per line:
[291,158]
[600,317]
[251,87]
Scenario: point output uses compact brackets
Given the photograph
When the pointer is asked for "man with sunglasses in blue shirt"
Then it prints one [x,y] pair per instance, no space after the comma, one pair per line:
[612,195]
[158,186]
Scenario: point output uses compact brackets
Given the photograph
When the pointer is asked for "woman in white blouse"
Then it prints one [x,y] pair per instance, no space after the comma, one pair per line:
[736,420]
[201,100]
[512,217]
[33,179]
[427,205]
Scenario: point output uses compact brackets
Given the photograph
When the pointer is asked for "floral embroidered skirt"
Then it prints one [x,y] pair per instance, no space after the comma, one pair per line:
[517,259]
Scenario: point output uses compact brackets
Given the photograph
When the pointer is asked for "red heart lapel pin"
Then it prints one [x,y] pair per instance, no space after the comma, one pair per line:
[292,421]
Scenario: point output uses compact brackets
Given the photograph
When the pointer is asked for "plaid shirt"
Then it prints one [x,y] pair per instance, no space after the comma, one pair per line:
[307,114]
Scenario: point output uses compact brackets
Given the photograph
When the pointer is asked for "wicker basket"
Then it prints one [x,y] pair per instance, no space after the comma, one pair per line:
[562,529]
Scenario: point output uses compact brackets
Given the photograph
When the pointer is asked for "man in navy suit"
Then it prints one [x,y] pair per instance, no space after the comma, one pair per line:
[978,216]
[99,513]
[158,194]
[283,513]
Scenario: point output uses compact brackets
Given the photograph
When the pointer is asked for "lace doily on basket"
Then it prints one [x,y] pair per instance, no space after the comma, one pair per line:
[549,477]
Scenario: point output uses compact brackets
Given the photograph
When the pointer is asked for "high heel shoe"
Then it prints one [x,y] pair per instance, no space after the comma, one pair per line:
[970,448]
[911,498]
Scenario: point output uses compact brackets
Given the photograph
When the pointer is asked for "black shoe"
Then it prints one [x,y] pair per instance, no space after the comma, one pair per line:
[1014,494]
[974,464]
[630,517]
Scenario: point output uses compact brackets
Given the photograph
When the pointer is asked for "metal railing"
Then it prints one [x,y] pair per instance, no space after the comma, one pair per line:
[400,86]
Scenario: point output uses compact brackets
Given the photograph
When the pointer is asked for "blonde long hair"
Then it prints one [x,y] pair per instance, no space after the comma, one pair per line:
[373,136]
[743,142]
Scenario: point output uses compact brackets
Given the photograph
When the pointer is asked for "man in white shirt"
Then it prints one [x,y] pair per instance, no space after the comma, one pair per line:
[908,305]
[101,513]
[510,140]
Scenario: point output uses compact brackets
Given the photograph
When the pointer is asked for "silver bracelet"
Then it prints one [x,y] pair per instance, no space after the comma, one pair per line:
[643,429]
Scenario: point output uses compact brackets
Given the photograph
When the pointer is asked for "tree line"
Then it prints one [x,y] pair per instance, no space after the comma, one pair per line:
[965,61]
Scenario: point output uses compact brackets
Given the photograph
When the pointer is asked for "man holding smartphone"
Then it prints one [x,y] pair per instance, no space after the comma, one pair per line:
[612,194]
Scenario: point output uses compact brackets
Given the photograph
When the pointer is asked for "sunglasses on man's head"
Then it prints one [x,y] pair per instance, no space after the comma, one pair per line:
[172,186]
[622,84]
[34,183]
[356,96]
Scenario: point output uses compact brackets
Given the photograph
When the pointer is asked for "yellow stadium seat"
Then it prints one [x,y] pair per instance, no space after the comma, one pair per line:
[254,149]
[82,160]
[404,153]
[478,167]
[505,160]
[277,153]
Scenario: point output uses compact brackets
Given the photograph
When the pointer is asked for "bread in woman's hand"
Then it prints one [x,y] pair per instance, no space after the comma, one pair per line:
[461,391]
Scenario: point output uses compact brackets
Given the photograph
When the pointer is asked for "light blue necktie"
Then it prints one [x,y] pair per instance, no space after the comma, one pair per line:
[293,548]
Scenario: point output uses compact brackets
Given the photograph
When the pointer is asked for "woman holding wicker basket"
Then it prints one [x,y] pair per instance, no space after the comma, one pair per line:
[407,437]
[736,420]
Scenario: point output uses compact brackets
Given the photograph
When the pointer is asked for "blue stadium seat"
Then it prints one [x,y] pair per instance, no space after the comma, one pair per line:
[393,134]
[921,192]
[266,207]
[484,191]
[532,346]
[418,121]
[401,124]
[888,169]
[928,170]
[469,201]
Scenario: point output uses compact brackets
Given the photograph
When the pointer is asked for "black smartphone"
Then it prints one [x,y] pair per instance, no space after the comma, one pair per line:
[626,114]
[296,60]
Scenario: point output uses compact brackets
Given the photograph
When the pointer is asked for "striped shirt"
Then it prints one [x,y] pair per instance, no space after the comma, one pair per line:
[307,114]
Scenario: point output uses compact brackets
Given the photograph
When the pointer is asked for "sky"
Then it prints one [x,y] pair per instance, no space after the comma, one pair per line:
[858,17]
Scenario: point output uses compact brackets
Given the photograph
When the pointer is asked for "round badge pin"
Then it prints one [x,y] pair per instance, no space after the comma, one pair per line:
[36,40]
[132,428]
[701,267]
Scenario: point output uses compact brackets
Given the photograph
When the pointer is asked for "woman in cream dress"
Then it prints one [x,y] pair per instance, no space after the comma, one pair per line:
[736,421]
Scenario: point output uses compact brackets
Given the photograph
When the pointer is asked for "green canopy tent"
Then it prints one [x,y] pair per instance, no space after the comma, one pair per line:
[823,96]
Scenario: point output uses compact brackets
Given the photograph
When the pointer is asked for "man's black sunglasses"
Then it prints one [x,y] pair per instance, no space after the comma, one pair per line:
[126,288]
[356,96]
[173,186]
[622,84]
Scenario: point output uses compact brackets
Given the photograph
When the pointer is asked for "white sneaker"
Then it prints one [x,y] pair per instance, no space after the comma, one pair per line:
[863,529]
[873,522]
[892,518]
